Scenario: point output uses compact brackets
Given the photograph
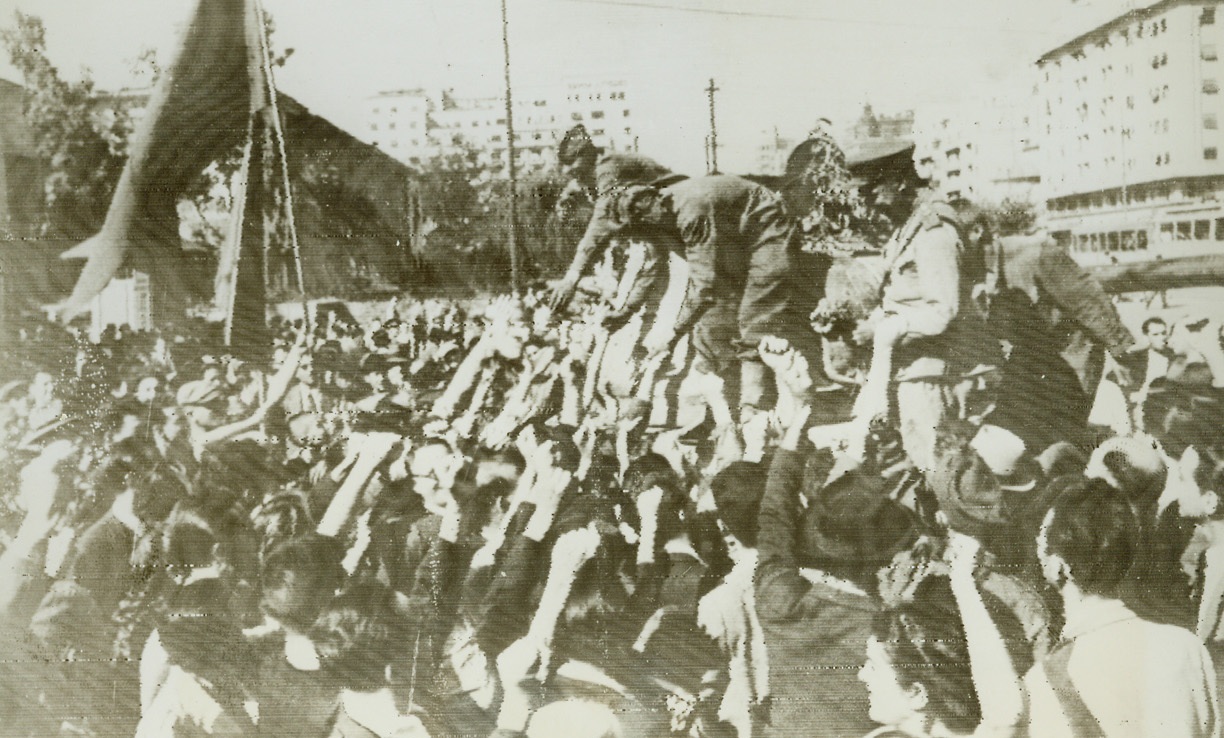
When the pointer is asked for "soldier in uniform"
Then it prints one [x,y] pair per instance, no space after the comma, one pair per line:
[594,174]
[921,297]
[741,248]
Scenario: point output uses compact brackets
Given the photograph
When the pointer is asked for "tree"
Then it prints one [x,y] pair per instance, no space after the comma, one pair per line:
[83,143]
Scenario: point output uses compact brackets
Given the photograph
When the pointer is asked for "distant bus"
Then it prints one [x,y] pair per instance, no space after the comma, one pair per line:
[1167,236]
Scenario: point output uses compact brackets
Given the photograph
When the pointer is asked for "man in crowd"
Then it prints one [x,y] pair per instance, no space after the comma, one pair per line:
[1115,674]
[1149,363]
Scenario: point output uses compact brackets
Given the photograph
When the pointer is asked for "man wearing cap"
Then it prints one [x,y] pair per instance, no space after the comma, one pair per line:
[595,173]
[816,587]
[740,246]
[920,298]
[987,487]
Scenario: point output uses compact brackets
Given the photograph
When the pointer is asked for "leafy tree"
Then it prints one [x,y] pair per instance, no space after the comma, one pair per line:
[83,143]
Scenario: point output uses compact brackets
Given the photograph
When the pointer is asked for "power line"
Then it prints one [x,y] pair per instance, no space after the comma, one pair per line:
[802,17]
[713,162]
[511,165]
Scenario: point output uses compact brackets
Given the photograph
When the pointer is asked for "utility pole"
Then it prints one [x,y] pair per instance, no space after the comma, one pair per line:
[510,158]
[713,158]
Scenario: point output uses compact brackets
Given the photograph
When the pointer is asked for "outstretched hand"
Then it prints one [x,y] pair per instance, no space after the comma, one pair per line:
[560,292]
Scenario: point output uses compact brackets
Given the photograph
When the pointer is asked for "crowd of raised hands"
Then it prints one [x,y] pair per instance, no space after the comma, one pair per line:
[491,518]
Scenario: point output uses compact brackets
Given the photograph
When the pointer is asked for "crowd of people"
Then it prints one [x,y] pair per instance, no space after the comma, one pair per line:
[725,485]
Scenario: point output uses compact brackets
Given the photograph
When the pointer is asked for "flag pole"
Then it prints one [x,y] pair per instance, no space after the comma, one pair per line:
[272,113]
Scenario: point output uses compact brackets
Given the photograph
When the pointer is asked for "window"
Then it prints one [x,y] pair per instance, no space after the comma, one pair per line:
[1210,153]
[576,116]
[1208,17]
[1209,53]
[1210,87]
[1166,231]
[1142,239]
[1210,121]
[1112,241]
[1202,230]
[394,110]
[391,126]
[597,132]
[373,126]
[597,115]
[1219,229]
[626,113]
[1183,230]
[496,139]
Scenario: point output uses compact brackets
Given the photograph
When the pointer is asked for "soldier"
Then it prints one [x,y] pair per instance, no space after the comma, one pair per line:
[742,255]
[920,298]
[594,174]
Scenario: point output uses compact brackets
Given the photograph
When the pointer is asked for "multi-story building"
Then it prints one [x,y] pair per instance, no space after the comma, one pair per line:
[1129,115]
[412,125]
[397,121]
[981,149]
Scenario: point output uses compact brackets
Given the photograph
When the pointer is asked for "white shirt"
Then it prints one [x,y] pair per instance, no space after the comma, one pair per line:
[1137,678]
[1157,367]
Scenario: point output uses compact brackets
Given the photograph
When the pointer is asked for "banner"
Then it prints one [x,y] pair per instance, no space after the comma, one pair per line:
[215,96]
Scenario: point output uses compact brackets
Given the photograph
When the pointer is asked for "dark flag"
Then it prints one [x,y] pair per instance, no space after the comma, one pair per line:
[215,96]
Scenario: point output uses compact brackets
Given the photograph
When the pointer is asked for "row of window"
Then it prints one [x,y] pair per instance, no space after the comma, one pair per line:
[1181,230]
[1092,243]
[1192,230]
[596,96]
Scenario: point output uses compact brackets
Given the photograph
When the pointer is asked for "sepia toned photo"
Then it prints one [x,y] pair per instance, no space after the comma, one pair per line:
[611,368]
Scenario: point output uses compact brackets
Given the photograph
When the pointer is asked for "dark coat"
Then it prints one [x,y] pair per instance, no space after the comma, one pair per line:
[816,634]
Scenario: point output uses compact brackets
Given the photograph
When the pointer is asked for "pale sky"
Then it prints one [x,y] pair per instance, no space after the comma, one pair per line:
[782,63]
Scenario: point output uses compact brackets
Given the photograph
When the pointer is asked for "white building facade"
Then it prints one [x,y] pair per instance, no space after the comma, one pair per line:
[412,125]
[981,149]
[1129,115]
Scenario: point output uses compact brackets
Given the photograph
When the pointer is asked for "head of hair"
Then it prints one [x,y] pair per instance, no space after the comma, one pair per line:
[650,470]
[1154,320]
[925,641]
[190,538]
[354,635]
[299,576]
[1096,532]
[566,454]
[600,590]
[1135,468]
[1180,416]
[737,491]
[576,143]
[156,494]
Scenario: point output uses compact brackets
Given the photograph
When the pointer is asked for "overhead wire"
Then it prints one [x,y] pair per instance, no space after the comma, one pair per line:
[802,17]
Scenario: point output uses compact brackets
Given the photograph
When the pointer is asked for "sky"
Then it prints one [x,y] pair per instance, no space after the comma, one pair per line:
[777,63]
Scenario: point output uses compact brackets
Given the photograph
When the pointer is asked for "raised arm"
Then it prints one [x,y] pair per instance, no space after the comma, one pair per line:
[998,686]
